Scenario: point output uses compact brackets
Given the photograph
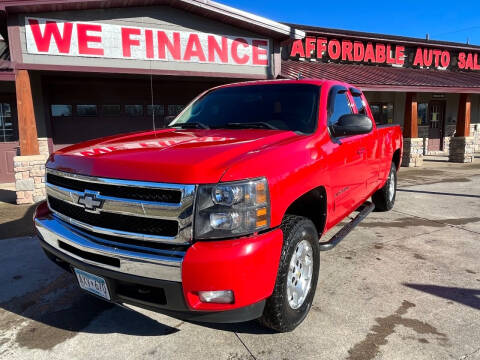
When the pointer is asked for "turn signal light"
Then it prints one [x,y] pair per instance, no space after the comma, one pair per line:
[261,217]
[261,193]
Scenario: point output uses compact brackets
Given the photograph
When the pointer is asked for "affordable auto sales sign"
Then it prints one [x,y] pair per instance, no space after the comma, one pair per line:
[70,38]
[382,53]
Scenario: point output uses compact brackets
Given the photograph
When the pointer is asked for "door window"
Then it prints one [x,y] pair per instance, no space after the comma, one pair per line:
[158,110]
[87,110]
[134,110]
[360,104]
[111,110]
[422,110]
[338,105]
[174,110]
[435,116]
[61,110]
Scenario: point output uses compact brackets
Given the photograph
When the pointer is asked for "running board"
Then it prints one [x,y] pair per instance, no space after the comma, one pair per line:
[366,209]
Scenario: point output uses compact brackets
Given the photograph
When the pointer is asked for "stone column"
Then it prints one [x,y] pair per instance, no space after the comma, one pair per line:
[475,132]
[462,149]
[43,146]
[462,145]
[412,152]
[412,144]
[30,178]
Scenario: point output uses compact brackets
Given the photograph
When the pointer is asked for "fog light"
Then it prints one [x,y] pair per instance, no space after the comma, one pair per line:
[219,297]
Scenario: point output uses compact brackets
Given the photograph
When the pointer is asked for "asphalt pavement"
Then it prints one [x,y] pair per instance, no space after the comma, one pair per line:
[403,285]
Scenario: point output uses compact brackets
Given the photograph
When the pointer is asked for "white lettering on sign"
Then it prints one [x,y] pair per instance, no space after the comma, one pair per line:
[71,38]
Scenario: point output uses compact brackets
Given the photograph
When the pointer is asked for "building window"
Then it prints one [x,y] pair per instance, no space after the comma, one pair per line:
[422,109]
[382,113]
[159,110]
[174,110]
[7,129]
[111,110]
[61,110]
[87,110]
[134,110]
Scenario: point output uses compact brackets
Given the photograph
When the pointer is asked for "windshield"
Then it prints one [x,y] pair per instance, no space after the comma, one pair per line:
[273,106]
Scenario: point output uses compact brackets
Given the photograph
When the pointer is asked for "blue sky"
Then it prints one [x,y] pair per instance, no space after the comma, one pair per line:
[443,20]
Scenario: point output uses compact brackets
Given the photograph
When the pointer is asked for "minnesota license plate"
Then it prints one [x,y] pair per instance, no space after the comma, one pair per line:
[92,283]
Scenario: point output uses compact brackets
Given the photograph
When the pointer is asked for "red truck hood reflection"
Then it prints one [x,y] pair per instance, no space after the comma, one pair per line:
[174,156]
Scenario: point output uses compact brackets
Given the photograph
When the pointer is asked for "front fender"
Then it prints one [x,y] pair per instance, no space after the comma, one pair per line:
[292,169]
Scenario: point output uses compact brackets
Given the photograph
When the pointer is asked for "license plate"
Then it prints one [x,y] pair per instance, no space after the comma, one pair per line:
[92,283]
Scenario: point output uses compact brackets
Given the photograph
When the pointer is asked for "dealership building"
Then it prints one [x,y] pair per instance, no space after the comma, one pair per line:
[76,70]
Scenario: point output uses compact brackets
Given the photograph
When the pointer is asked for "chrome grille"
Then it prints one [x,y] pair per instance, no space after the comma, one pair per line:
[123,208]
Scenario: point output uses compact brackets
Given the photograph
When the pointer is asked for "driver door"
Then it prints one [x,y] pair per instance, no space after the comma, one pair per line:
[348,164]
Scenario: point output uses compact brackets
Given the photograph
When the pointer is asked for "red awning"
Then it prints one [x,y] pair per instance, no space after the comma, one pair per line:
[373,78]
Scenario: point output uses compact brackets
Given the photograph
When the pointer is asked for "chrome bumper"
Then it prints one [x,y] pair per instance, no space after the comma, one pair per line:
[53,230]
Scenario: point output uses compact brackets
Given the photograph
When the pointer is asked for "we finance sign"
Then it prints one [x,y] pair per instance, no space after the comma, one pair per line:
[70,38]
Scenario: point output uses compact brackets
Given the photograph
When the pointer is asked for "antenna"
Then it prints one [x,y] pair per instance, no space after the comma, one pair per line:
[151,93]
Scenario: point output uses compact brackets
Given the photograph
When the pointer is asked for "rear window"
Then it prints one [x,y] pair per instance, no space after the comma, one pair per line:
[277,106]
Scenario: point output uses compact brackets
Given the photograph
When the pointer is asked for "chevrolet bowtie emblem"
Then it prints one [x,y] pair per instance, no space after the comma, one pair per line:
[90,202]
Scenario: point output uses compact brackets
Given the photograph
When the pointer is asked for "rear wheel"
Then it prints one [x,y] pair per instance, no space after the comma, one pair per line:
[297,276]
[384,198]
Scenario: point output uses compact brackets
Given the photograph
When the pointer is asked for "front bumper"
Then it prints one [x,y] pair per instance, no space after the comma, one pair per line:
[157,295]
[170,285]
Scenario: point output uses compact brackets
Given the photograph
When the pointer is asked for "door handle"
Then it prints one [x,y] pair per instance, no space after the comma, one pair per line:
[361,151]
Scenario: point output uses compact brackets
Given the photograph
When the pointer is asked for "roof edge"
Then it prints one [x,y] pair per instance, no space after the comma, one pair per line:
[283,31]
[272,25]
[383,37]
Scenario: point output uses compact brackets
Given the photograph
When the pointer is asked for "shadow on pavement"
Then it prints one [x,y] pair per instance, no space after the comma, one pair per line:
[46,307]
[8,196]
[249,327]
[16,220]
[60,309]
[438,193]
[436,160]
[468,297]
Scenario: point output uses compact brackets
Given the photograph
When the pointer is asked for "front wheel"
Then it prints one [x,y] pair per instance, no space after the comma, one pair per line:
[297,276]
[384,198]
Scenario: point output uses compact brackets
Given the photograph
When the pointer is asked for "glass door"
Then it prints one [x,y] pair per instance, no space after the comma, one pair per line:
[8,138]
[436,115]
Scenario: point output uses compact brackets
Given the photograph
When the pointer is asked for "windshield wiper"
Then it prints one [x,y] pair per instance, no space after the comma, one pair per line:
[252,125]
[191,125]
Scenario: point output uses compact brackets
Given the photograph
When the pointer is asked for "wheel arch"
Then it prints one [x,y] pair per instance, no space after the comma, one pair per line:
[396,158]
[312,205]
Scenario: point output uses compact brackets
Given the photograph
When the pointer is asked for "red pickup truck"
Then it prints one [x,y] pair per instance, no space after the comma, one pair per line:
[219,216]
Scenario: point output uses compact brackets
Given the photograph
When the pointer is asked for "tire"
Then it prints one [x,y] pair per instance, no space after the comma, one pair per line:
[280,313]
[384,198]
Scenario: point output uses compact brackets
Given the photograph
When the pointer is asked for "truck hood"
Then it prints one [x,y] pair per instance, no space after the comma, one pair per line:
[170,155]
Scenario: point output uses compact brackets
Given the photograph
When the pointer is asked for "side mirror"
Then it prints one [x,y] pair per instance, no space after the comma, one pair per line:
[351,124]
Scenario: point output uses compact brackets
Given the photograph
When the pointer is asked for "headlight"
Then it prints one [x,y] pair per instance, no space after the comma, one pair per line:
[232,209]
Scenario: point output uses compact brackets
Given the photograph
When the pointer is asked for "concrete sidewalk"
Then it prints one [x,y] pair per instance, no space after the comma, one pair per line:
[404,285]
